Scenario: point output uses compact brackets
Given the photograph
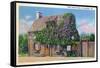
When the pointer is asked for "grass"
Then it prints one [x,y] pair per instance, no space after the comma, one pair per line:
[23,54]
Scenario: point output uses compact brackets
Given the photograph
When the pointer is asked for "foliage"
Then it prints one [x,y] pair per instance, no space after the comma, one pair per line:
[71,54]
[67,15]
[90,37]
[49,36]
[23,42]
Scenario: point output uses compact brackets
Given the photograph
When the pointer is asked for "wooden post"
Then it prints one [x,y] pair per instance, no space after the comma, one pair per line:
[30,43]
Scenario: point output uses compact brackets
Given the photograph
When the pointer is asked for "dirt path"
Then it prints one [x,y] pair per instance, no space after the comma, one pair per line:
[43,59]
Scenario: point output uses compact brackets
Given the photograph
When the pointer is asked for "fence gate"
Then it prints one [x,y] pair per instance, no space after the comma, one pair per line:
[88,48]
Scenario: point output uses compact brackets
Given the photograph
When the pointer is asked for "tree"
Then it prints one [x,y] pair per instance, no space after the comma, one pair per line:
[92,37]
[23,42]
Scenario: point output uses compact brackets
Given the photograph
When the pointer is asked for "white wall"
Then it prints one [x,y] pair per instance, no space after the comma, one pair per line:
[5,34]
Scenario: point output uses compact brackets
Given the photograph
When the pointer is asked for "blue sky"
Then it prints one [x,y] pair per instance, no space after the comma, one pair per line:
[84,18]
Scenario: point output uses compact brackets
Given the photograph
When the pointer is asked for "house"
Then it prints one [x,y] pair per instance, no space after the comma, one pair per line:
[67,30]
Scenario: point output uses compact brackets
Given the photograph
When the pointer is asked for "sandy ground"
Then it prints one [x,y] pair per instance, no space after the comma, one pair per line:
[43,59]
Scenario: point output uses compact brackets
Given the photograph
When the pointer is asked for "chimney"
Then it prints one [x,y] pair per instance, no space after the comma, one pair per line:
[38,15]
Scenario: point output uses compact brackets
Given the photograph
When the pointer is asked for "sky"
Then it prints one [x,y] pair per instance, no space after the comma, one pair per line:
[85,19]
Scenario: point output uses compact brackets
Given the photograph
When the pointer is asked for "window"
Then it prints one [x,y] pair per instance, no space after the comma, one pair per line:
[68,47]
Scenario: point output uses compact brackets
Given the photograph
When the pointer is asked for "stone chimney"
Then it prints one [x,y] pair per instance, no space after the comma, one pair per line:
[38,15]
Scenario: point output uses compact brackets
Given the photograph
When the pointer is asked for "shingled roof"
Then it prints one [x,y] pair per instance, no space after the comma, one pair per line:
[40,23]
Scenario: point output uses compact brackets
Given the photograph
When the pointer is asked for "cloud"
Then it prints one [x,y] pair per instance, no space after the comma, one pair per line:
[86,27]
[27,17]
[25,24]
